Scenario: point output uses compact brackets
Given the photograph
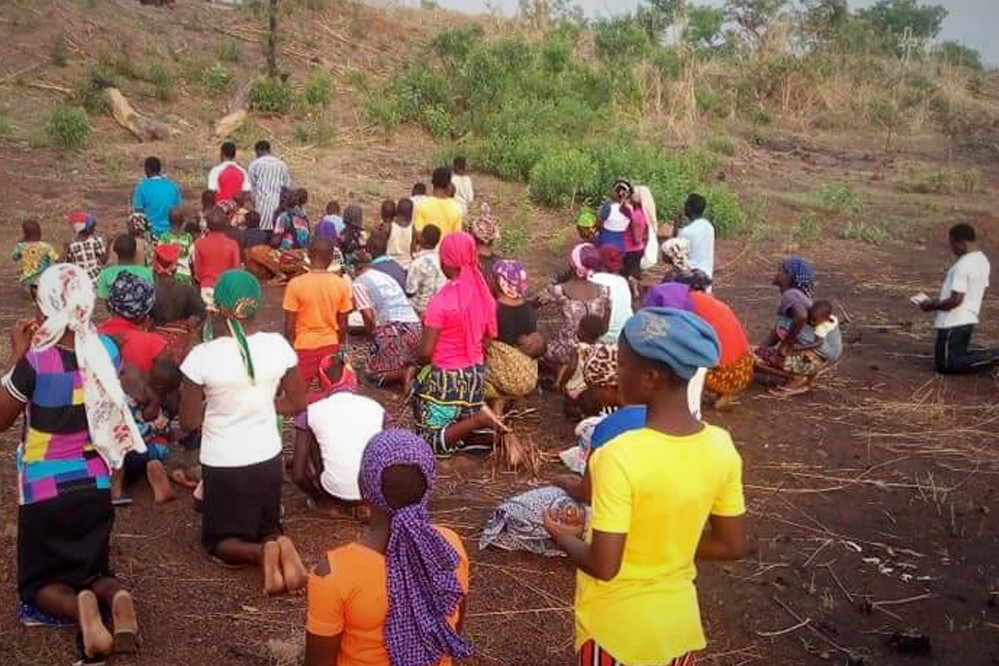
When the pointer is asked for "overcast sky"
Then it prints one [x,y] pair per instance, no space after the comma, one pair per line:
[973,22]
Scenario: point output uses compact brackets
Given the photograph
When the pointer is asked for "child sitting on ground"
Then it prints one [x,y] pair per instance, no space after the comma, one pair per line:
[804,360]
[154,426]
[244,206]
[331,436]
[214,254]
[425,278]
[291,227]
[87,250]
[594,373]
[400,241]
[331,224]
[184,242]
[34,254]
[125,250]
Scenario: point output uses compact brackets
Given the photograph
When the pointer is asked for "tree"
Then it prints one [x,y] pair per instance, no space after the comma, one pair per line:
[753,16]
[619,40]
[956,53]
[892,17]
[704,26]
[272,38]
[658,15]
[823,18]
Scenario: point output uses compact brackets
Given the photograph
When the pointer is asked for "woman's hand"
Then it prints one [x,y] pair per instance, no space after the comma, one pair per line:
[20,337]
[567,522]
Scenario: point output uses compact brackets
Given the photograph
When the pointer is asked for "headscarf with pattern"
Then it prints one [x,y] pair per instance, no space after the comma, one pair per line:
[237,297]
[676,251]
[582,260]
[511,278]
[66,299]
[677,338]
[423,589]
[802,273]
[484,228]
[131,297]
[81,221]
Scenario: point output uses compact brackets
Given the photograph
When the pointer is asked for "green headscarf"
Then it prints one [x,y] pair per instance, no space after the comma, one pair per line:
[586,220]
[237,297]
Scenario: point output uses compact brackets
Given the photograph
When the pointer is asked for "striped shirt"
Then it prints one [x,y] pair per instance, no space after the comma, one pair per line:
[268,174]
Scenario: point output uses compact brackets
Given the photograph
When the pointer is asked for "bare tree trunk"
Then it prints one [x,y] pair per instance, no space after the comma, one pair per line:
[272,38]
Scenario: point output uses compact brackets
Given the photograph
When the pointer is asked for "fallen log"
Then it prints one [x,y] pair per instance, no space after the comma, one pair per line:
[145,129]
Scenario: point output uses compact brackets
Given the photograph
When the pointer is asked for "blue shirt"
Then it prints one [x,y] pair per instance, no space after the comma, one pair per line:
[154,197]
[625,419]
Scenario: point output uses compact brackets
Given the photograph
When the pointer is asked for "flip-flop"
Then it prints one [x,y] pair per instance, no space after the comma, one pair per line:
[124,500]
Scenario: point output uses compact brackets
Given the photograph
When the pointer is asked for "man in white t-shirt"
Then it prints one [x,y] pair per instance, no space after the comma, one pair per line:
[701,234]
[332,435]
[958,306]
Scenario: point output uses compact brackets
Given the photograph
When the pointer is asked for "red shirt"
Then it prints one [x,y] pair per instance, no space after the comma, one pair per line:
[230,181]
[214,254]
[138,347]
[726,325]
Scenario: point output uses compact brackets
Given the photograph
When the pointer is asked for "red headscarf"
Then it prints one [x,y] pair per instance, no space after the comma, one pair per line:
[478,308]
[610,257]
[165,258]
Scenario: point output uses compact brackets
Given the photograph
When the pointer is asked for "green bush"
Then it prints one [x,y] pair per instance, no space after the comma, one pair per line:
[725,211]
[720,143]
[438,120]
[271,95]
[560,177]
[383,112]
[711,102]
[163,78]
[67,127]
[229,51]
[57,50]
[319,89]
[971,180]
[215,79]
[807,228]
[318,131]
[89,91]
[840,198]
[864,232]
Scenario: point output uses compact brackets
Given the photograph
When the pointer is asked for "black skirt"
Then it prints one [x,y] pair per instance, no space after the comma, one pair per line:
[241,502]
[64,540]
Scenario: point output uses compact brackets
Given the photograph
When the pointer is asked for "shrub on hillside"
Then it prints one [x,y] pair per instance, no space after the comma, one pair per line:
[57,50]
[229,51]
[215,79]
[67,127]
[560,177]
[271,95]
[162,78]
[725,211]
[319,89]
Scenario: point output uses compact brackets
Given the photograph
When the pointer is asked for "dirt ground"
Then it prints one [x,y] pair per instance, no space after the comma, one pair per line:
[872,502]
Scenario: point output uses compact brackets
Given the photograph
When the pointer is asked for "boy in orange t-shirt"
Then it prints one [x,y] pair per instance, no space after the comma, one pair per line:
[316,306]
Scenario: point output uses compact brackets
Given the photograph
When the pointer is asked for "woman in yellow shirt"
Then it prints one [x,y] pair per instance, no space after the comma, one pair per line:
[653,491]
[440,208]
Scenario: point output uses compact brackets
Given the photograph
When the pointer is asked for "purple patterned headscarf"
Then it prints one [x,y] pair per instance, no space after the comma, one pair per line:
[669,295]
[423,588]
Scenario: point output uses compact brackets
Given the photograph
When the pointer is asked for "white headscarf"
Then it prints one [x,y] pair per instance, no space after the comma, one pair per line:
[66,298]
[651,255]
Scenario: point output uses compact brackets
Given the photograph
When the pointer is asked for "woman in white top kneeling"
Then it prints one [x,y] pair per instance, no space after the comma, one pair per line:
[331,436]
[235,384]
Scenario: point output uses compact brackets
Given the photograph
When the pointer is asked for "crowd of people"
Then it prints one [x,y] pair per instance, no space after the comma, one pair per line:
[153,366]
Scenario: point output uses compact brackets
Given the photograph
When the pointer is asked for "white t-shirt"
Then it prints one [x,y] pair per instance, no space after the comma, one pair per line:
[969,276]
[463,192]
[213,175]
[343,424]
[240,426]
[616,220]
[701,234]
[620,296]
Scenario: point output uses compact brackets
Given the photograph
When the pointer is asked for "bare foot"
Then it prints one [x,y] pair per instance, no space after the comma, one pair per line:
[180,477]
[156,474]
[295,575]
[97,639]
[271,567]
[126,624]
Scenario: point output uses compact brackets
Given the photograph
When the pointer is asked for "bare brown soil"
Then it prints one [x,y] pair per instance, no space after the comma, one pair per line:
[872,501]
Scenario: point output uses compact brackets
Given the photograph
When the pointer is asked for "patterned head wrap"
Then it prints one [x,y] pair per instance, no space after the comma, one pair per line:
[586,220]
[484,228]
[81,221]
[348,379]
[582,260]
[511,278]
[669,295]
[131,297]
[138,222]
[676,252]
[237,298]
[478,307]
[165,259]
[423,589]
[677,338]
[66,298]
[801,272]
